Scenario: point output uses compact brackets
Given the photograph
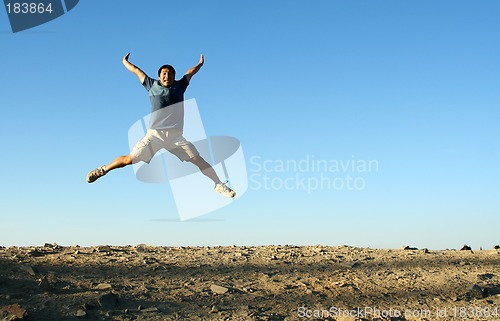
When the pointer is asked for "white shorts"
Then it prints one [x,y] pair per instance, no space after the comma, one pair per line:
[169,139]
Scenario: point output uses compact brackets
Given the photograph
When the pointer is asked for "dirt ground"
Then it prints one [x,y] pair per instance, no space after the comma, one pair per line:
[142,282]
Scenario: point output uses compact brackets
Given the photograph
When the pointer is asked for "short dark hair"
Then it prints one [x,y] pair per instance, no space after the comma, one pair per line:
[169,67]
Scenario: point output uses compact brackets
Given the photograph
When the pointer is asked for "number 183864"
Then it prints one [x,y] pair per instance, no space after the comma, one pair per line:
[28,8]
[476,312]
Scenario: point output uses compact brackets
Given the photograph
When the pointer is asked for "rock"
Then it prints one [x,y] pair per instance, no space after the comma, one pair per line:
[104,248]
[486,276]
[497,247]
[149,260]
[217,289]
[408,248]
[108,301]
[53,246]
[151,309]
[141,248]
[475,292]
[494,290]
[44,284]
[103,286]
[91,305]
[13,312]
[35,253]
[466,248]
[81,313]
[351,265]
[28,269]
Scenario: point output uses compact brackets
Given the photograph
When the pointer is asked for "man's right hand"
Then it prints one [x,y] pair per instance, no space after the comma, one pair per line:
[125,59]
[133,68]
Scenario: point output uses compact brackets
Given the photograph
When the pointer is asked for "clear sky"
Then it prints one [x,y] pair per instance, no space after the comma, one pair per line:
[400,100]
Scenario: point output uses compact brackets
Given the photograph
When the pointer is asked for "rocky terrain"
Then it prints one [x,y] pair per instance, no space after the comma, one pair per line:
[142,282]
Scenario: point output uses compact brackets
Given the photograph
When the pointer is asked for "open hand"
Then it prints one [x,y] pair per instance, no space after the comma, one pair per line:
[126,57]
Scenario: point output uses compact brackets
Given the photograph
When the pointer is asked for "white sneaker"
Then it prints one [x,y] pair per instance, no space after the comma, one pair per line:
[224,190]
[93,175]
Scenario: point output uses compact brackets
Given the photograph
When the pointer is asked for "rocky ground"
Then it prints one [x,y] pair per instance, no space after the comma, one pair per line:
[247,283]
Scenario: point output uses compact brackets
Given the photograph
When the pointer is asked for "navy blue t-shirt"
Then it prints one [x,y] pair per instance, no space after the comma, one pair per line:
[167,108]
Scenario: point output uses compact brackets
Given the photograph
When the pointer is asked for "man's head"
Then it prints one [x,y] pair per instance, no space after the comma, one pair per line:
[166,75]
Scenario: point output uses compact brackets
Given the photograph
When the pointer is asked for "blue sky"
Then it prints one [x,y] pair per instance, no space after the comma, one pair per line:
[410,85]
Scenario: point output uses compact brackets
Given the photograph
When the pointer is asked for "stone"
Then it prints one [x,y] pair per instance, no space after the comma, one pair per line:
[151,309]
[494,290]
[35,253]
[347,318]
[44,284]
[103,286]
[108,301]
[52,246]
[466,248]
[351,265]
[13,312]
[104,248]
[141,248]
[476,292]
[217,289]
[91,305]
[485,276]
[81,313]
[28,269]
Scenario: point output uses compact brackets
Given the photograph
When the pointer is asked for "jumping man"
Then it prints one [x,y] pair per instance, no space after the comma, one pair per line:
[166,126]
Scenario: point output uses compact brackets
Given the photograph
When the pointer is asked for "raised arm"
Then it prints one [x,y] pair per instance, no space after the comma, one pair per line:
[191,72]
[133,68]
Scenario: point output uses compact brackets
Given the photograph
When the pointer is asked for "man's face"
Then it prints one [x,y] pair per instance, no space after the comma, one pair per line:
[167,77]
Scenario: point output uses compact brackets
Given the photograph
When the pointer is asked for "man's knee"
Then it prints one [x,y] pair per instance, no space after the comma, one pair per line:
[199,161]
[127,160]
[195,159]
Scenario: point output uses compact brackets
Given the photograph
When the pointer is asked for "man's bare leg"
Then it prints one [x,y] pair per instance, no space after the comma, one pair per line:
[205,168]
[208,171]
[120,161]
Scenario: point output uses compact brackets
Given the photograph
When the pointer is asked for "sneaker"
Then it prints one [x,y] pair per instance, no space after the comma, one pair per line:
[92,176]
[224,190]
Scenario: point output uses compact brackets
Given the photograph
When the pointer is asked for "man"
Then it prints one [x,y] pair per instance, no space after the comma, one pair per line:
[166,126]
